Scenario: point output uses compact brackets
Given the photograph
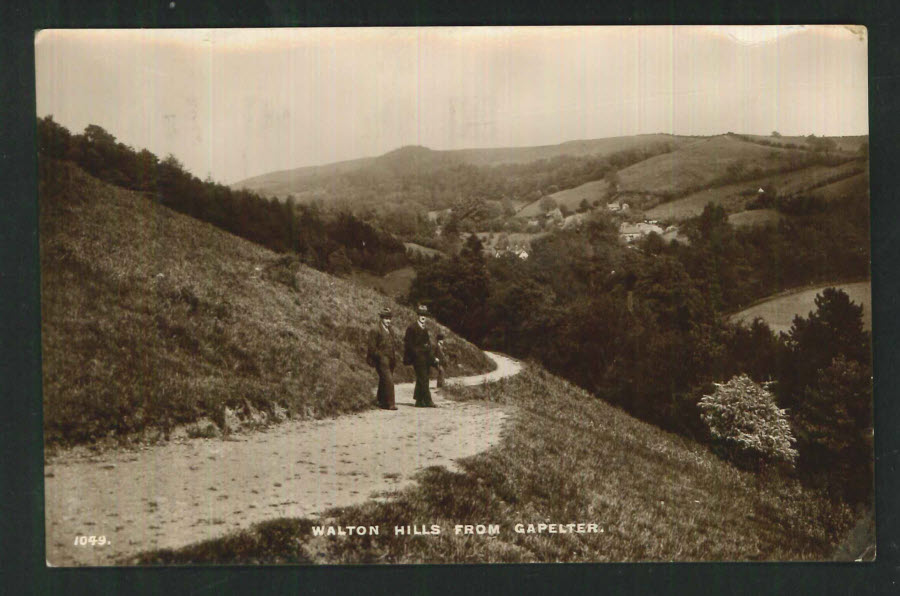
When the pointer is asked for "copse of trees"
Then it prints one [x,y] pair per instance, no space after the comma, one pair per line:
[644,326]
[325,241]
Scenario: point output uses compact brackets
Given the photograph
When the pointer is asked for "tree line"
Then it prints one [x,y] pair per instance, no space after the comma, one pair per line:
[329,241]
[644,327]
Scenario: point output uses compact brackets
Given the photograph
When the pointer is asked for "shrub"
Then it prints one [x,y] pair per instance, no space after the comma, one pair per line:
[743,418]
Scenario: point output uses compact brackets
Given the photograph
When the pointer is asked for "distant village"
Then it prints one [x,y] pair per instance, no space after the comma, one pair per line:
[630,231]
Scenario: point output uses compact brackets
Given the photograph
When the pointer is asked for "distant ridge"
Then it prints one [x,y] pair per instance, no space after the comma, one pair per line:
[419,159]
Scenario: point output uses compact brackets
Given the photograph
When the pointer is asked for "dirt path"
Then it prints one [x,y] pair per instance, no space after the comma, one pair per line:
[175,494]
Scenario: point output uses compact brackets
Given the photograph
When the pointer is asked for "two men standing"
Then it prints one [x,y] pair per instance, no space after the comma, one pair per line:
[381,354]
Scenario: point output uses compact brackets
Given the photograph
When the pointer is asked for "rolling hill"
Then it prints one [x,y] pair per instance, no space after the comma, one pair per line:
[733,197]
[697,165]
[153,319]
[305,181]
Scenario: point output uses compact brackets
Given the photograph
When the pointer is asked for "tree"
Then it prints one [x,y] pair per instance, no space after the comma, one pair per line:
[547,203]
[745,422]
[53,140]
[775,133]
[835,328]
[612,182]
[834,428]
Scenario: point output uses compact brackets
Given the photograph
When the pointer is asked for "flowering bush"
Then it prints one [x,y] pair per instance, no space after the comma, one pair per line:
[743,417]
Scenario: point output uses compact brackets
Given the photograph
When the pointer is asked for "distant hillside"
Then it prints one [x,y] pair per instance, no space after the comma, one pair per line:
[303,181]
[151,318]
[521,155]
[814,180]
[698,165]
[849,144]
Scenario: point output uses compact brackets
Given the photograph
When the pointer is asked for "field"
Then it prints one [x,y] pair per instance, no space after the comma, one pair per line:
[571,198]
[567,458]
[757,217]
[697,165]
[422,250]
[848,144]
[733,197]
[779,311]
[154,320]
[857,185]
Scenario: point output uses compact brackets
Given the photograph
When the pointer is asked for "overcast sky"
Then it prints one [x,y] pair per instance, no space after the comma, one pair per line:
[238,103]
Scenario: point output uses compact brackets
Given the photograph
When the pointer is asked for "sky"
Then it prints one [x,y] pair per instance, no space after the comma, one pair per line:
[236,103]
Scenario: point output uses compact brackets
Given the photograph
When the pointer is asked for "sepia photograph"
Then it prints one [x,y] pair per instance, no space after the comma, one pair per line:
[455,295]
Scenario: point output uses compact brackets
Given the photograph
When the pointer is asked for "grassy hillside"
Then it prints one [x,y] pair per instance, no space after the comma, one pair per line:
[756,217]
[857,185]
[779,311]
[733,197]
[848,144]
[697,165]
[702,163]
[566,458]
[571,198]
[395,283]
[151,319]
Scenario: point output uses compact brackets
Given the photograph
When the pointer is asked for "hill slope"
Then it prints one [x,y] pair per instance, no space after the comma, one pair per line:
[151,318]
[697,165]
[568,458]
[421,160]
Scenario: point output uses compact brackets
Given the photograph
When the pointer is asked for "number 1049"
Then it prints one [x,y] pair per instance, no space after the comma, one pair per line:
[90,540]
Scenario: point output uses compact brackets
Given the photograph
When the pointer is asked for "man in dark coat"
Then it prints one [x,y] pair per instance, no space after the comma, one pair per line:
[417,351]
[382,354]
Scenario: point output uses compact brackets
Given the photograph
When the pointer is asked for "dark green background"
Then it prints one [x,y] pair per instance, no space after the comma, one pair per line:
[22,567]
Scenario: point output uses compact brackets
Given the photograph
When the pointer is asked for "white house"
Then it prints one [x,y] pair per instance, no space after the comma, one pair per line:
[629,232]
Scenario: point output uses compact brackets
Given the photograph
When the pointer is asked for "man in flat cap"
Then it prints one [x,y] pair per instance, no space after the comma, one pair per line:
[382,354]
[417,351]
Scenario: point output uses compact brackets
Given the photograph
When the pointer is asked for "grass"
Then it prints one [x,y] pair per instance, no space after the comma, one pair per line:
[779,311]
[857,185]
[697,165]
[733,197]
[757,217]
[152,319]
[566,457]
[394,283]
[422,250]
[571,198]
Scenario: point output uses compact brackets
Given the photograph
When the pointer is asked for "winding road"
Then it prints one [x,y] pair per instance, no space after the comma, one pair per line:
[178,493]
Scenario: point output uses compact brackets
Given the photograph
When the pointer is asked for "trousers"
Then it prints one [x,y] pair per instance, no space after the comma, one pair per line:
[385,386]
[422,393]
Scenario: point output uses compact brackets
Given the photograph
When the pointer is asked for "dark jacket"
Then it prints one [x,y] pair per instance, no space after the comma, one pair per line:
[417,346]
[382,347]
